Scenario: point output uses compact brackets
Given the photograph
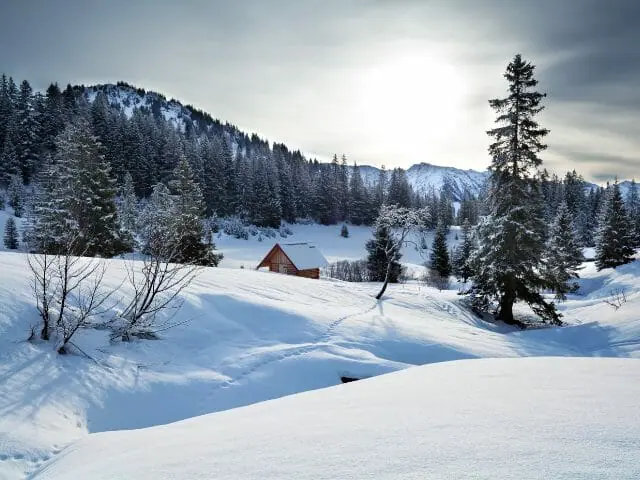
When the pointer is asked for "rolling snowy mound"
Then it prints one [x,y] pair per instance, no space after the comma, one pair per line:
[249,336]
[496,419]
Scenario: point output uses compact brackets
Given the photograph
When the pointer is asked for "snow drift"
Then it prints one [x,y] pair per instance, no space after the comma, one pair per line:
[508,419]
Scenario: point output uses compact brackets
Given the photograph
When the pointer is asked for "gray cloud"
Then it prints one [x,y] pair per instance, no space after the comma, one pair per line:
[290,69]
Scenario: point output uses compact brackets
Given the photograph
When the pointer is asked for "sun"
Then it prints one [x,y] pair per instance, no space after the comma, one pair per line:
[416,98]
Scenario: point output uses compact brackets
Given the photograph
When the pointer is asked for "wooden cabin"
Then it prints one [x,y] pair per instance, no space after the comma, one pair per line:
[300,259]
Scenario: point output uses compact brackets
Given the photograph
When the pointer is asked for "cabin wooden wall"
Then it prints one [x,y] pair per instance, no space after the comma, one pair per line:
[310,273]
[278,258]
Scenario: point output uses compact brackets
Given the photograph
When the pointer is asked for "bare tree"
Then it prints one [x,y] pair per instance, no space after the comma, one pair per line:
[399,221]
[68,291]
[45,288]
[157,282]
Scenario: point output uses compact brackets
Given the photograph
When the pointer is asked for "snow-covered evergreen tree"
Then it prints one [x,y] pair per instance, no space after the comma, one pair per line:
[128,205]
[439,261]
[381,250]
[508,265]
[462,254]
[15,193]
[633,209]
[187,227]
[615,239]
[11,234]
[564,254]
[79,202]
[358,197]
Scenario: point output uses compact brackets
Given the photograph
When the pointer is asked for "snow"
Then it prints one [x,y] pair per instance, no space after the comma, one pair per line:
[304,255]
[425,177]
[248,253]
[251,336]
[508,419]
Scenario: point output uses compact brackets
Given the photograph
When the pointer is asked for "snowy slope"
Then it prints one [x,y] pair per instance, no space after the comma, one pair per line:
[129,99]
[492,419]
[425,177]
[252,336]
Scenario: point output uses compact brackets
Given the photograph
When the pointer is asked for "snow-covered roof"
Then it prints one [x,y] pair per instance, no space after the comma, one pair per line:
[304,255]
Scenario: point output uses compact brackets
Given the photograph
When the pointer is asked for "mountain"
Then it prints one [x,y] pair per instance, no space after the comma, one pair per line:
[426,177]
[423,177]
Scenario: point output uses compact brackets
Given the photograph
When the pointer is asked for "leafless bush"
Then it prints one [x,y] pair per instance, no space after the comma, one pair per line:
[157,282]
[68,292]
[617,298]
[434,279]
[348,271]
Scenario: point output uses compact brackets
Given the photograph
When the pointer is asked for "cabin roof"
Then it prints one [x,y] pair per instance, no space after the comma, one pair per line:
[304,255]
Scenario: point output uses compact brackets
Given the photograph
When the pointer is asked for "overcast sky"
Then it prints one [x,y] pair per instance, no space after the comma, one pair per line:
[384,82]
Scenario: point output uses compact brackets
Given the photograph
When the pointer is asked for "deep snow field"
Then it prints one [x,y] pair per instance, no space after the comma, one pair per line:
[253,336]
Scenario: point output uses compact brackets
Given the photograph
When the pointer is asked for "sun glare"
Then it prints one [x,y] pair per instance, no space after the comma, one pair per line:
[418,98]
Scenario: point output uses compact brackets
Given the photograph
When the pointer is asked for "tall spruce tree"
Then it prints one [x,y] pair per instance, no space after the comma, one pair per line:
[187,227]
[615,239]
[79,204]
[633,209]
[440,262]
[378,260]
[463,253]
[564,254]
[508,264]
[11,234]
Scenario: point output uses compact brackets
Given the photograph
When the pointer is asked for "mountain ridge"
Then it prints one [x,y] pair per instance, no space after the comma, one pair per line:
[424,177]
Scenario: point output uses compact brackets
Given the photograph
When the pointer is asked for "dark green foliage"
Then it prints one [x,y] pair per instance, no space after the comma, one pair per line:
[187,230]
[615,238]
[508,264]
[11,234]
[378,259]
[439,261]
[564,254]
[462,267]
[77,203]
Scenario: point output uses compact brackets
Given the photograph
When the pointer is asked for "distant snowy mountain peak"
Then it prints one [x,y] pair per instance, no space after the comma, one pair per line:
[130,98]
[426,177]
[423,177]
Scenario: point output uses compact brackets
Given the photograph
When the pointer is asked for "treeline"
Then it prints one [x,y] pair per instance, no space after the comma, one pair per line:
[239,175]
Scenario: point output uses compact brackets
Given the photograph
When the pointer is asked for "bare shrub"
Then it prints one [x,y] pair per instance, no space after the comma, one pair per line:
[348,271]
[617,298]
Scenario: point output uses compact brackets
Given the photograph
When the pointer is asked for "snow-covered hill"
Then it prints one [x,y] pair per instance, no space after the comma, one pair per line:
[425,177]
[544,418]
[252,336]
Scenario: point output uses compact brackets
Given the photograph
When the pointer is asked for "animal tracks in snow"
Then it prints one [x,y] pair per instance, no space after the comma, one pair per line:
[319,342]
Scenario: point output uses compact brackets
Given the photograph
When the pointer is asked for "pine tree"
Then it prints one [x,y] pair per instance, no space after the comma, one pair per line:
[564,254]
[78,205]
[11,234]
[15,194]
[440,262]
[9,166]
[358,197]
[462,256]
[187,227]
[615,239]
[377,258]
[156,227]
[633,209]
[508,264]
[399,189]
[128,205]
[26,148]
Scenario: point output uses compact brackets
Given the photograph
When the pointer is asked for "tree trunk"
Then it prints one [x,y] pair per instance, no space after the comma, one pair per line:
[506,309]
[386,280]
[44,333]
